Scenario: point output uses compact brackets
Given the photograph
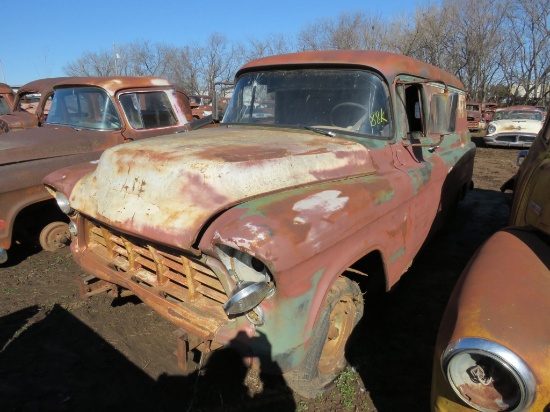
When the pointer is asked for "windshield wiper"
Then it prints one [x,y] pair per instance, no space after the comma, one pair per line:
[320,131]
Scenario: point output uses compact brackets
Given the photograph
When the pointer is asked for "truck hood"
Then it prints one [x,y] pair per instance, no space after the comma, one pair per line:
[42,143]
[166,188]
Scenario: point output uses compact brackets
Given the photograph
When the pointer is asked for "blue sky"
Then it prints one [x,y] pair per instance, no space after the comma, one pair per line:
[40,38]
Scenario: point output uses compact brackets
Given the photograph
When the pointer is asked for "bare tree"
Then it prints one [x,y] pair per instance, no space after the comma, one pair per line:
[354,31]
[92,64]
[527,69]
[272,45]
[479,40]
[218,61]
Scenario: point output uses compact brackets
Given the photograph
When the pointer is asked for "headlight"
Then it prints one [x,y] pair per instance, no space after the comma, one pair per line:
[492,128]
[253,279]
[488,376]
[73,229]
[63,203]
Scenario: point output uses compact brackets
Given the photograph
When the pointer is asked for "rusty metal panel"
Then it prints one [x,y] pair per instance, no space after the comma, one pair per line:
[390,65]
[216,177]
[501,296]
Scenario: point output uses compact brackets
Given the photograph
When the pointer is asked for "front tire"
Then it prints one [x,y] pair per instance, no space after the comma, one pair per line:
[325,356]
[55,236]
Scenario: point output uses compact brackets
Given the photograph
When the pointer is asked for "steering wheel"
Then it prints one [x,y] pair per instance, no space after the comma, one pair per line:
[355,127]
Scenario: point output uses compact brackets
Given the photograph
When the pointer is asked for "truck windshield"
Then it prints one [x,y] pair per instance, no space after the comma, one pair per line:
[354,101]
[83,108]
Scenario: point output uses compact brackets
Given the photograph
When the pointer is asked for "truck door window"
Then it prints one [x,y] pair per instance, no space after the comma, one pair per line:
[414,110]
[148,110]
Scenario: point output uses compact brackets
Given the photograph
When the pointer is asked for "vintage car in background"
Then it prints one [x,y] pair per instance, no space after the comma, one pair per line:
[514,126]
[475,120]
[328,166]
[6,98]
[31,106]
[201,106]
[87,115]
[493,348]
[488,111]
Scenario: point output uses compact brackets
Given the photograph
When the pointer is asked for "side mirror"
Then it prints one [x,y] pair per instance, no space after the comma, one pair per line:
[442,118]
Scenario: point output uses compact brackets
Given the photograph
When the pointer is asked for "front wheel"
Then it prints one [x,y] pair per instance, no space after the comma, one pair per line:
[55,236]
[325,356]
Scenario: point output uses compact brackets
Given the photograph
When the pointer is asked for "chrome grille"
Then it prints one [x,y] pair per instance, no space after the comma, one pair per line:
[176,276]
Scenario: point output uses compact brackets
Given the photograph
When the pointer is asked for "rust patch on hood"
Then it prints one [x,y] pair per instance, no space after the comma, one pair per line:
[166,188]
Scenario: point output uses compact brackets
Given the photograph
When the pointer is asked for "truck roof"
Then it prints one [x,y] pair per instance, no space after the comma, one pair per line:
[388,64]
[111,84]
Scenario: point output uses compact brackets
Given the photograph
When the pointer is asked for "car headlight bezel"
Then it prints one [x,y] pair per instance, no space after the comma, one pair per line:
[505,363]
[63,203]
[253,279]
[491,128]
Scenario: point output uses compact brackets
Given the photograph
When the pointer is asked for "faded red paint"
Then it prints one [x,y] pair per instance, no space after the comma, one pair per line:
[307,205]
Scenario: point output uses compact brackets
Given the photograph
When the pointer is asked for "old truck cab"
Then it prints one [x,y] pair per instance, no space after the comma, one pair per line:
[87,115]
[328,167]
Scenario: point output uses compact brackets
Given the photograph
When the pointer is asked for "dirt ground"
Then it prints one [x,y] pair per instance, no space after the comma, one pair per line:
[60,353]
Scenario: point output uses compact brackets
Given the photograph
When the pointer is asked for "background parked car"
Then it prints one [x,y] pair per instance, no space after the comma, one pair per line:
[87,115]
[514,126]
[475,119]
[488,110]
[492,352]
[201,106]
[6,98]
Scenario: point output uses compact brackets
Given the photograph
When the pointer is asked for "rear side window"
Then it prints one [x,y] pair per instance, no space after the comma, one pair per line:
[148,110]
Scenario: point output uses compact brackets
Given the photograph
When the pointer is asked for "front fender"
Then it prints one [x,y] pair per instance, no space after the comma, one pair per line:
[502,296]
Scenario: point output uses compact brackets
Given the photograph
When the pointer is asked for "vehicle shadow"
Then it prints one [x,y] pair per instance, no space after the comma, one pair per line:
[392,346]
[57,363]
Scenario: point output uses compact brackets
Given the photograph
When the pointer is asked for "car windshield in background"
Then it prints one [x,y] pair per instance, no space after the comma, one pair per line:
[83,108]
[4,106]
[148,110]
[353,101]
[518,115]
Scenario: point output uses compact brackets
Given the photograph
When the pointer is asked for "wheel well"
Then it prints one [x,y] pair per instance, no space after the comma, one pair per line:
[369,272]
[34,216]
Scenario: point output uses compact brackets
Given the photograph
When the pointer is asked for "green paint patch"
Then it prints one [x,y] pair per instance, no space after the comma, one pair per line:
[398,254]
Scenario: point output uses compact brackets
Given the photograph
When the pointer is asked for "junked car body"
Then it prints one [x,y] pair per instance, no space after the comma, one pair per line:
[492,351]
[31,106]
[327,165]
[475,119]
[6,98]
[514,126]
[488,110]
[87,115]
[201,105]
